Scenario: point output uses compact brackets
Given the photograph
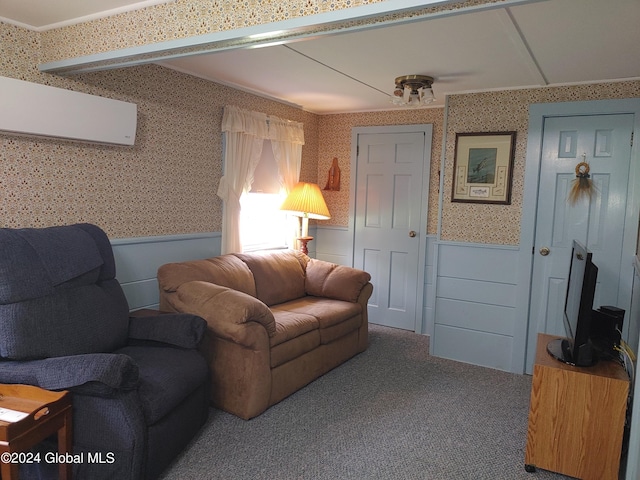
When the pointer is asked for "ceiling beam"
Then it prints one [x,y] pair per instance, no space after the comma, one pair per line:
[352,19]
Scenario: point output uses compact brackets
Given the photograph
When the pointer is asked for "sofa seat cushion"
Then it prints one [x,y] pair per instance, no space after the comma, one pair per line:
[296,334]
[328,312]
[335,317]
[167,376]
[291,324]
[294,348]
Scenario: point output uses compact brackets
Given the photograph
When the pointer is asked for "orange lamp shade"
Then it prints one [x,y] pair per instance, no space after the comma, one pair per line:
[306,200]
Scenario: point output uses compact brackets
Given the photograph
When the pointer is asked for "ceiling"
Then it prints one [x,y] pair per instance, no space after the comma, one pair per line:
[526,44]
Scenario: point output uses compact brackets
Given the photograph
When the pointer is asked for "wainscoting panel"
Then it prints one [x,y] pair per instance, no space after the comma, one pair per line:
[429,296]
[138,259]
[472,346]
[478,291]
[332,244]
[478,262]
[487,318]
[475,304]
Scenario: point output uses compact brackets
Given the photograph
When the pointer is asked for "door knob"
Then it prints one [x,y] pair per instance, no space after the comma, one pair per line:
[544,251]
[412,233]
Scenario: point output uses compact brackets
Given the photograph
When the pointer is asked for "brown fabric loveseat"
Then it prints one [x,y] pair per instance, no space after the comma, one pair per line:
[277,321]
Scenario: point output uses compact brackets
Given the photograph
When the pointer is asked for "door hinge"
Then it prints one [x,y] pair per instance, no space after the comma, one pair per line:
[632,138]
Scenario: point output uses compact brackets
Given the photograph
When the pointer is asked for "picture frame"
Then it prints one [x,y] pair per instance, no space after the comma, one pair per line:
[483,167]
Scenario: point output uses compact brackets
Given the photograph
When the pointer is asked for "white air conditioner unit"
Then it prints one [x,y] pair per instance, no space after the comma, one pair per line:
[33,109]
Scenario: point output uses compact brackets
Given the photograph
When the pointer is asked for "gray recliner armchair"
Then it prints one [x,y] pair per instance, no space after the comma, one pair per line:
[140,387]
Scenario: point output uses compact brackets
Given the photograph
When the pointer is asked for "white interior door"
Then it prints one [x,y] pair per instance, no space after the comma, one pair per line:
[604,142]
[390,226]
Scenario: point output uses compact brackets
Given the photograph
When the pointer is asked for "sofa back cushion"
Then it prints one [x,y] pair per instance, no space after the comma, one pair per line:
[226,270]
[58,293]
[279,276]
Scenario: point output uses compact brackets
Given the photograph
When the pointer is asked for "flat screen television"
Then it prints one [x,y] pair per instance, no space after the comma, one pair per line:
[577,349]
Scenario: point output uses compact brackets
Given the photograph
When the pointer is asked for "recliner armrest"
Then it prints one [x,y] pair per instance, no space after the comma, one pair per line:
[97,374]
[179,329]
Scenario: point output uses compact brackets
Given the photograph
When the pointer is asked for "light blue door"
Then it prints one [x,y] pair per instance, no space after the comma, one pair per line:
[389,215]
[603,142]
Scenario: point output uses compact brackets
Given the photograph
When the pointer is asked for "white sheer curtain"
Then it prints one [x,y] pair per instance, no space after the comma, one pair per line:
[245,132]
[287,138]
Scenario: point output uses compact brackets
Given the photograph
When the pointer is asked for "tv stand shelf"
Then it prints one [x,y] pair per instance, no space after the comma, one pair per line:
[576,417]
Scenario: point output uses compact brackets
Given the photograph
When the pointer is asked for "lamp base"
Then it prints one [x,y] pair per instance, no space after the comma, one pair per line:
[303,244]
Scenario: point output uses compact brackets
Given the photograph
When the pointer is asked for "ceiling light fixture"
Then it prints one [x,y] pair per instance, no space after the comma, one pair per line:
[413,91]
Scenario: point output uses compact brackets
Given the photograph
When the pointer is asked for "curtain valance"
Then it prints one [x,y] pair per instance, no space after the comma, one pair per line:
[260,125]
[286,131]
[235,119]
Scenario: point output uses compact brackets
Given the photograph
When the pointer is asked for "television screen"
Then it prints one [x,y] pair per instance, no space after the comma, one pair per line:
[577,349]
[575,286]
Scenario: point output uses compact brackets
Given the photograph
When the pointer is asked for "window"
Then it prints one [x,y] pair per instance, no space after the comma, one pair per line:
[244,135]
[263,225]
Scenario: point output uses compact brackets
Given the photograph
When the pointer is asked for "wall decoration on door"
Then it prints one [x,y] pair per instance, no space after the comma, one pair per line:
[483,167]
[582,186]
[333,181]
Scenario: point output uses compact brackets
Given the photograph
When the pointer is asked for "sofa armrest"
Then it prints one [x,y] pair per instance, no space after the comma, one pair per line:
[325,279]
[365,295]
[226,311]
[179,329]
[97,374]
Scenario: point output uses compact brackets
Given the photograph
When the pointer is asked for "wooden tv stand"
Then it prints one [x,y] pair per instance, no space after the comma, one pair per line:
[576,417]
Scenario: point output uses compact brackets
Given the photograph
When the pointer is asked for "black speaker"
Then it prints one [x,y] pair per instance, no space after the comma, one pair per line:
[606,328]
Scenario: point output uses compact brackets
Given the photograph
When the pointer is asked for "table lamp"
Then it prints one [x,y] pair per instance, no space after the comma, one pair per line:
[306,201]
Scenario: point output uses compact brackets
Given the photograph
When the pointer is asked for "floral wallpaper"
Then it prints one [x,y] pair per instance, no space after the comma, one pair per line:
[166,183]
[335,134]
[504,111]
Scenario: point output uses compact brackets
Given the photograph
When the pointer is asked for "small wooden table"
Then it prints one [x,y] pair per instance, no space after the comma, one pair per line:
[48,412]
[576,417]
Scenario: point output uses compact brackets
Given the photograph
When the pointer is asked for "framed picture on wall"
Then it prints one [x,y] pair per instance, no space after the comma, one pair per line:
[483,167]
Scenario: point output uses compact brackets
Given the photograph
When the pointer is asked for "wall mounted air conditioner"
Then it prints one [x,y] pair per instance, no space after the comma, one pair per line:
[33,109]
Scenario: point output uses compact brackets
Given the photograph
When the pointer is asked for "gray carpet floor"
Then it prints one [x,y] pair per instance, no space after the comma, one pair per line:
[392,412]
